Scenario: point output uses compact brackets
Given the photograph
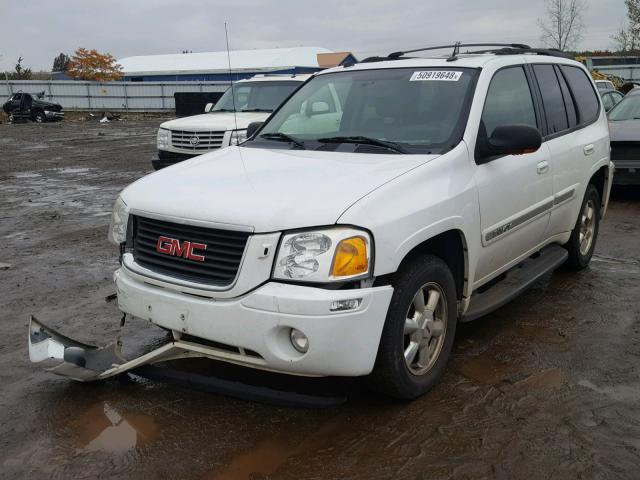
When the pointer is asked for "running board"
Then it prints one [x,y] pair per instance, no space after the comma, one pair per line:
[517,280]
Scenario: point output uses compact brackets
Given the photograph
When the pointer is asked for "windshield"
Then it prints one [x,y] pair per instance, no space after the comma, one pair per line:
[255,96]
[627,109]
[410,110]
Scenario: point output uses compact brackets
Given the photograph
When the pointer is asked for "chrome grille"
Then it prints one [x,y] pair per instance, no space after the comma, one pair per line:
[222,254]
[196,141]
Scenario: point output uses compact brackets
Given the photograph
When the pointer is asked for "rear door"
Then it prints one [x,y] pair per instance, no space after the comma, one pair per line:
[576,144]
[515,191]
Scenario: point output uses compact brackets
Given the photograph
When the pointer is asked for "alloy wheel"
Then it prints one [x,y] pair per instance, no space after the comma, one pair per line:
[424,328]
[587,227]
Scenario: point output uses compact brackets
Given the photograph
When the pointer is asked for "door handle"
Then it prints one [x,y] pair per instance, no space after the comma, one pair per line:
[543,167]
[588,149]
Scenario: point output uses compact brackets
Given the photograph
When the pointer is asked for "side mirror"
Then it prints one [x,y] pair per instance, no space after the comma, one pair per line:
[208,107]
[253,128]
[509,140]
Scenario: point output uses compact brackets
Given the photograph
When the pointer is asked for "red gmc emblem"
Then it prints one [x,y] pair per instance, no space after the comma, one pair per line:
[172,246]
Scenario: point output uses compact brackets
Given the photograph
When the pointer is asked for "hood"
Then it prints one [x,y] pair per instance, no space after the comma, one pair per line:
[267,189]
[215,121]
[625,131]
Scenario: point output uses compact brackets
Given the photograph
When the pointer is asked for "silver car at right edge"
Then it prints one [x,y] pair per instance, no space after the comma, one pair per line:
[624,128]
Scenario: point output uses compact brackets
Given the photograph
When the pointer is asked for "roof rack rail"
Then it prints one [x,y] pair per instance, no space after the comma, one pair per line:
[503,49]
[456,48]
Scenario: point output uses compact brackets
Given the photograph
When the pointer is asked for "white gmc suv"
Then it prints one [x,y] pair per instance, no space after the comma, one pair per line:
[379,206]
[225,123]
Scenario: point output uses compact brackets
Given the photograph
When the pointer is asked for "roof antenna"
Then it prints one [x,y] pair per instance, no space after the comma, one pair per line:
[233,94]
[454,54]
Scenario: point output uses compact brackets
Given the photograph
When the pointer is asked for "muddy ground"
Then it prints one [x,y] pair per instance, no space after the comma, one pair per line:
[546,387]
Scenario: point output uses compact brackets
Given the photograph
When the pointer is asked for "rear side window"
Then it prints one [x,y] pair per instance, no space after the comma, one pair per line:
[583,92]
[552,98]
[572,114]
[508,100]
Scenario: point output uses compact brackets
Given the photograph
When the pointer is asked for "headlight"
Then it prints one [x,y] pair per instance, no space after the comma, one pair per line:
[237,137]
[323,256]
[164,137]
[118,225]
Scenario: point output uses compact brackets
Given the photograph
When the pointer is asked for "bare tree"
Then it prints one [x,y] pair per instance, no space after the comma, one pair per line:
[19,72]
[622,41]
[629,38]
[563,24]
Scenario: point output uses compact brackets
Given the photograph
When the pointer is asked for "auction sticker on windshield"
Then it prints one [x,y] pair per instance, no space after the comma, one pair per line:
[441,75]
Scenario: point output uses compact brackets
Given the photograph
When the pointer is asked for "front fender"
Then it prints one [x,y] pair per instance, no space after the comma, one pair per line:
[436,197]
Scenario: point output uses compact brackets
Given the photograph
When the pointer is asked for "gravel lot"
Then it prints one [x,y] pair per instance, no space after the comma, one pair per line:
[547,387]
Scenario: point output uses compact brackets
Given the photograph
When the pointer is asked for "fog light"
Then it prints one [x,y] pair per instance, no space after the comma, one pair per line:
[350,304]
[299,340]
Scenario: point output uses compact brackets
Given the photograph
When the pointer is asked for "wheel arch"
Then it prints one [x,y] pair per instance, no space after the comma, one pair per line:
[451,247]
[602,179]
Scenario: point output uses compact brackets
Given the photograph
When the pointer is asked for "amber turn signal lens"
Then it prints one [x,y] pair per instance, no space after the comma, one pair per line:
[350,258]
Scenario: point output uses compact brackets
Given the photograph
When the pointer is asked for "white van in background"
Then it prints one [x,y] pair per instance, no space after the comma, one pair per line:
[218,127]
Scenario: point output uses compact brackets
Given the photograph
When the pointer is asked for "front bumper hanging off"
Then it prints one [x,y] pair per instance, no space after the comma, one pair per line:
[67,357]
[64,356]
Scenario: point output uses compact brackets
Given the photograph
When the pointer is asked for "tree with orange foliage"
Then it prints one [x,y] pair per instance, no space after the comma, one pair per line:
[93,65]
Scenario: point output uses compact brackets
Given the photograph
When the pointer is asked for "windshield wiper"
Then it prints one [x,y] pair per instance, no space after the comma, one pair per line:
[257,110]
[283,137]
[365,141]
[223,110]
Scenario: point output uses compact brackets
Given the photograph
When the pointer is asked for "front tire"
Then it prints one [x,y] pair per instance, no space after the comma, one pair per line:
[583,238]
[39,117]
[419,330]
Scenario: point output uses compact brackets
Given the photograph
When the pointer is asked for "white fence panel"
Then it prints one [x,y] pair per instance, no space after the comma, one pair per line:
[78,95]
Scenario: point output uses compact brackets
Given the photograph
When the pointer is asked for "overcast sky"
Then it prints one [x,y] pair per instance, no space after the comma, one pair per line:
[40,29]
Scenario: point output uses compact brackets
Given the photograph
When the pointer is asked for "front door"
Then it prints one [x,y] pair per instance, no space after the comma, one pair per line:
[515,191]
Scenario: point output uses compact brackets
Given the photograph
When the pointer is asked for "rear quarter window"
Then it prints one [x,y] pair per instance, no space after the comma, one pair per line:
[583,92]
[552,99]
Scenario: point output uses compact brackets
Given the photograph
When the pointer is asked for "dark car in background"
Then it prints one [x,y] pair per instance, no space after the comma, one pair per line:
[23,106]
[624,128]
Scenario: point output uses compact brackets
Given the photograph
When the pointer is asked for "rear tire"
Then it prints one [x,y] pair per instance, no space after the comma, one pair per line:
[419,330]
[583,238]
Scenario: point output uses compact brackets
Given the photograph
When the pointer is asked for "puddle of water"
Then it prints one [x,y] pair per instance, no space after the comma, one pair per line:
[552,378]
[542,334]
[267,456]
[102,428]
[485,369]
[15,234]
[76,170]
[621,392]
[27,175]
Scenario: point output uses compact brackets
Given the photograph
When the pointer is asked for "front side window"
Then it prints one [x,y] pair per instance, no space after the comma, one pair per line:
[420,110]
[255,96]
[552,99]
[508,101]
